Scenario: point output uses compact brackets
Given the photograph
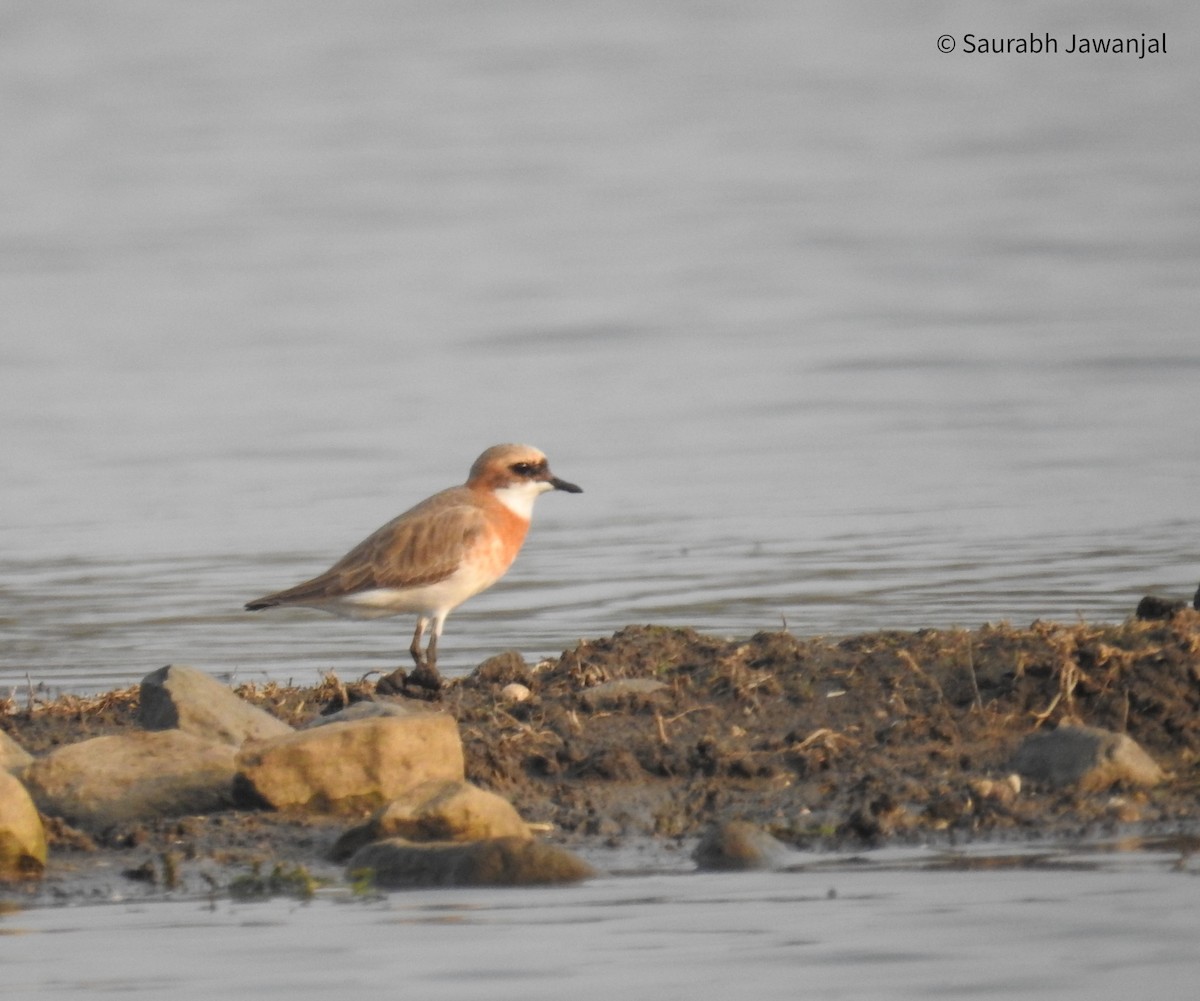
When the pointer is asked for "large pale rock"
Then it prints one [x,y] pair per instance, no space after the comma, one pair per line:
[1087,757]
[396,863]
[22,837]
[13,757]
[350,766]
[437,811]
[115,780]
[180,697]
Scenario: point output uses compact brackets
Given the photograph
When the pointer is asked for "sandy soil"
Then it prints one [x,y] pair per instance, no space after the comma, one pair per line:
[657,733]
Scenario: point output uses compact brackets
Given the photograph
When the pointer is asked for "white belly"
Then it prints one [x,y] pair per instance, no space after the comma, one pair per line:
[431,600]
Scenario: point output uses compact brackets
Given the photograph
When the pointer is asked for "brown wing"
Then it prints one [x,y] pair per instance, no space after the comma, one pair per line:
[422,546]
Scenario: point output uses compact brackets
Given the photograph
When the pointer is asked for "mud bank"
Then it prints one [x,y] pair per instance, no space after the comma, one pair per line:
[656,733]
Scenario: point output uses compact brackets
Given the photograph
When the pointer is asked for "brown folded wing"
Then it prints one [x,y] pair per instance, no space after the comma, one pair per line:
[422,546]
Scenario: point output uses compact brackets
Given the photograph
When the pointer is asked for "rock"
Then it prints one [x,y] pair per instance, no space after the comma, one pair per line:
[367,710]
[13,757]
[22,837]
[736,844]
[180,697]
[515,692]
[1124,811]
[110,781]
[1002,791]
[1152,608]
[1087,757]
[611,693]
[350,766]
[504,668]
[437,811]
[396,863]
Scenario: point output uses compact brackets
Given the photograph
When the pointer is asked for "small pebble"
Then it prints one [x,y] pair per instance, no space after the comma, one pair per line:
[515,692]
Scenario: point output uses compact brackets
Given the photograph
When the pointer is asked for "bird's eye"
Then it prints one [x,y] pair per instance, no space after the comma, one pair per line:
[523,469]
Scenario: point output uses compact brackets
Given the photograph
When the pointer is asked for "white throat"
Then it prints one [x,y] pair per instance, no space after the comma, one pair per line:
[519,497]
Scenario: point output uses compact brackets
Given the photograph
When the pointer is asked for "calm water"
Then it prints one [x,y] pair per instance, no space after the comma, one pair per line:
[1095,929]
[832,328]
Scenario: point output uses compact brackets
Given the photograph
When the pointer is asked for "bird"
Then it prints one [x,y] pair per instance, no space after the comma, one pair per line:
[434,556]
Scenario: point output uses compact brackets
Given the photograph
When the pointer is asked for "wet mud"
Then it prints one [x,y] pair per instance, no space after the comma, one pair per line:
[657,733]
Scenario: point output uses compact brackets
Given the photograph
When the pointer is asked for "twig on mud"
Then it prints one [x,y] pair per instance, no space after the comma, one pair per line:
[735,676]
[974,677]
[522,730]
[1070,674]
[688,712]
[662,724]
[909,661]
[829,740]
[1040,718]
[573,720]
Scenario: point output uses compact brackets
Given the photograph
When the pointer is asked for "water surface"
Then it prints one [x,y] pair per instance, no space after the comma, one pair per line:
[834,330]
[1040,925]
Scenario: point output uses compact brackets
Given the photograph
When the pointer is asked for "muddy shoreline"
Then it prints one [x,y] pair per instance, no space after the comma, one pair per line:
[653,734]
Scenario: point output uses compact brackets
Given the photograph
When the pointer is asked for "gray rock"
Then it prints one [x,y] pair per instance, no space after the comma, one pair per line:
[737,844]
[115,780]
[610,693]
[1090,758]
[22,837]
[396,863]
[437,811]
[352,766]
[183,698]
[367,710]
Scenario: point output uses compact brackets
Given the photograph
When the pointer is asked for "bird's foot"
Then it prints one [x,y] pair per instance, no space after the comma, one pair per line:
[422,682]
[426,676]
[392,684]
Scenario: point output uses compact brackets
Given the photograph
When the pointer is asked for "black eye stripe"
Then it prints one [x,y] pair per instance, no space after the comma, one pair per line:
[527,468]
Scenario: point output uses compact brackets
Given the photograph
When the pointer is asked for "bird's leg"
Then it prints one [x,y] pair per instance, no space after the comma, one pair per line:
[415,647]
[426,673]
